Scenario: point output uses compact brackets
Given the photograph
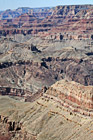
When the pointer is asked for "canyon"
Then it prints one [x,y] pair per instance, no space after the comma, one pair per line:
[75,22]
[46,73]
[51,116]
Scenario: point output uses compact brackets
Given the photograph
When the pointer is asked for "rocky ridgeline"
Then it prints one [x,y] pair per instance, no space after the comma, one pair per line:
[27,96]
[73,96]
[39,12]
[11,126]
[47,72]
[35,121]
[73,22]
[13,91]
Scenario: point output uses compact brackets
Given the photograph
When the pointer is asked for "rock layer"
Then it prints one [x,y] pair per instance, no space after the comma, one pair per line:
[71,22]
[39,118]
[74,96]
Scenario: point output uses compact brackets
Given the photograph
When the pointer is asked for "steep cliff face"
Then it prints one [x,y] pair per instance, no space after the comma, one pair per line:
[73,22]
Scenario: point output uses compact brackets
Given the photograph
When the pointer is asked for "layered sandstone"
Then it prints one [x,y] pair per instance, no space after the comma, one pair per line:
[37,120]
[74,96]
[71,22]
[13,91]
[39,47]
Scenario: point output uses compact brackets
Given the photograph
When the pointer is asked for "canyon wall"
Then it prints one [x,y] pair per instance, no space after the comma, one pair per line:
[71,22]
[47,72]
[73,96]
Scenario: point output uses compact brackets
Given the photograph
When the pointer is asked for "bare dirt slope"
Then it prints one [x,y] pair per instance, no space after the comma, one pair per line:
[44,120]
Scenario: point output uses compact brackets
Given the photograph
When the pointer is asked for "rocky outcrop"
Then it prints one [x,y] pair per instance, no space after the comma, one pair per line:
[34,49]
[37,95]
[10,126]
[73,96]
[36,120]
[13,91]
[27,96]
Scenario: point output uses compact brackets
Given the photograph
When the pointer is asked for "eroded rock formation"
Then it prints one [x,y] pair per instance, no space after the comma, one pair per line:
[39,47]
[36,120]
[73,22]
[74,96]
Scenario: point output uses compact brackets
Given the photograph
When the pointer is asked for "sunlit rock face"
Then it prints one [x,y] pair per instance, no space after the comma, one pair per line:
[72,95]
[73,22]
